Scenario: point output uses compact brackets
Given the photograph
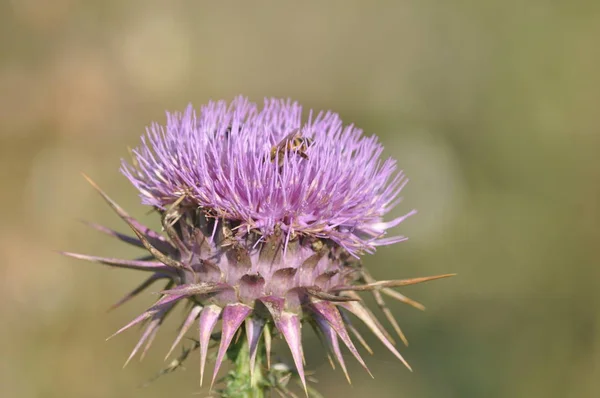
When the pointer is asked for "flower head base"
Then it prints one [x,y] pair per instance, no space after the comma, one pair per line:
[264,218]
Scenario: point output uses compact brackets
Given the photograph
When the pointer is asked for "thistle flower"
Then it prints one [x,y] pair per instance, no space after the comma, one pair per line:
[265,218]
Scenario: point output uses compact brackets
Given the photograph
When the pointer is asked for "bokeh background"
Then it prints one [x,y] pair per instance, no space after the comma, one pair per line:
[491,108]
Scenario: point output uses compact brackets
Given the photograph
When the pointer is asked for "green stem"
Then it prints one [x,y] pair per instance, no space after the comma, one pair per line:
[240,382]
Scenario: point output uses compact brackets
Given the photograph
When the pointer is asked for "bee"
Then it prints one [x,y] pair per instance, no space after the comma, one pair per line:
[291,143]
[227,133]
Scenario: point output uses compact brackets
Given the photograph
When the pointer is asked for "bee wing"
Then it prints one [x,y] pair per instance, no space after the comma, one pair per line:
[281,146]
[288,138]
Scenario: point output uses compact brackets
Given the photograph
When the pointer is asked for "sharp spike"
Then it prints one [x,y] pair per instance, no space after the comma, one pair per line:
[388,314]
[323,341]
[267,333]
[232,318]
[364,316]
[402,298]
[384,308]
[331,313]
[333,343]
[153,325]
[137,290]
[155,238]
[138,319]
[161,312]
[254,328]
[185,327]
[160,256]
[165,301]
[176,240]
[289,325]
[193,289]
[330,360]
[140,265]
[122,237]
[150,339]
[208,319]
[394,283]
[275,305]
[359,337]
[168,225]
[392,293]
[147,257]
[142,232]
[162,305]
[372,315]
[318,293]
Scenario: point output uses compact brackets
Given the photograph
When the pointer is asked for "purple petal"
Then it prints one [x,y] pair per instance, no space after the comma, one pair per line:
[337,187]
[233,316]
[389,241]
[381,227]
[208,319]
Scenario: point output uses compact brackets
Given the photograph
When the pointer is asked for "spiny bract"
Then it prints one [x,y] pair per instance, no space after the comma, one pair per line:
[264,220]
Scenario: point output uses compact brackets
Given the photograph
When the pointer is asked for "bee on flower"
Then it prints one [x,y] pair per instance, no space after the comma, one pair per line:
[293,143]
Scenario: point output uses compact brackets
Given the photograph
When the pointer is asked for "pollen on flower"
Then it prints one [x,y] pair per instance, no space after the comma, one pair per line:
[264,218]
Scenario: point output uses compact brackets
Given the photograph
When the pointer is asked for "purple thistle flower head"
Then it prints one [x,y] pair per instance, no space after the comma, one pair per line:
[264,218]
[266,169]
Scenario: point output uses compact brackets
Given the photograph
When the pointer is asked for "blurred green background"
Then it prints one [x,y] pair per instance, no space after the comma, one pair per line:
[490,107]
